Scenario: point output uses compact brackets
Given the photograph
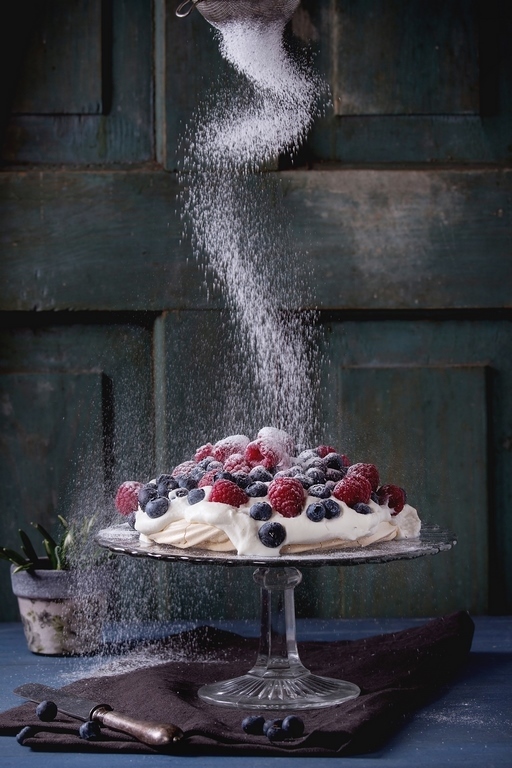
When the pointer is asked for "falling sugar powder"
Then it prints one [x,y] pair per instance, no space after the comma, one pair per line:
[234,214]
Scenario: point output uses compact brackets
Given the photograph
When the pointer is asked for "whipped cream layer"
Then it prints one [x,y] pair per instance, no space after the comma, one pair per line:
[222,527]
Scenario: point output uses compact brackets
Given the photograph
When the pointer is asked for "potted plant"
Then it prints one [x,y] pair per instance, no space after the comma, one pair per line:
[61,607]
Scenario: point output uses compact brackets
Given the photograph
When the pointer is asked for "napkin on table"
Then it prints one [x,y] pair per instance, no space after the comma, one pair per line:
[397,673]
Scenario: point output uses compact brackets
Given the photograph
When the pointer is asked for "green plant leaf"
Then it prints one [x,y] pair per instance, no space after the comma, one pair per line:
[12,556]
[26,567]
[50,548]
[44,533]
[63,522]
[28,548]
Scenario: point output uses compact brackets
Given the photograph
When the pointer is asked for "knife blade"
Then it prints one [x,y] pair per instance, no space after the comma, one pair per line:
[148,732]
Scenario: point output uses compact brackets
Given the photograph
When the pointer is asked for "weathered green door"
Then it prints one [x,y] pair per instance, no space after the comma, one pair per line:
[401,201]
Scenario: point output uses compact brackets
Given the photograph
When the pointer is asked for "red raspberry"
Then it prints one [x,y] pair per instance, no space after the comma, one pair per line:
[228,445]
[352,489]
[203,452]
[228,493]
[286,495]
[208,478]
[393,496]
[127,499]
[369,471]
[258,453]
[323,450]
[236,463]
[345,460]
[184,468]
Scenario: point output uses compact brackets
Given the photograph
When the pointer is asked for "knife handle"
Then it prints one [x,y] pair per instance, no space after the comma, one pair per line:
[152,733]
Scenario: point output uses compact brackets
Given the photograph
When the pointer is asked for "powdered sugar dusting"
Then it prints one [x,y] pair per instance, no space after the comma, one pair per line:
[233,213]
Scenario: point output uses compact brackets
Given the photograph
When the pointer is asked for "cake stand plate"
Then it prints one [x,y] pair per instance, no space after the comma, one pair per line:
[278,680]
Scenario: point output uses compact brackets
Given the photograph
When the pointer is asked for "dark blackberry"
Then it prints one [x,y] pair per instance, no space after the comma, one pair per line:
[261,511]
[46,711]
[187,481]
[146,493]
[315,512]
[320,491]
[253,724]
[316,475]
[272,534]
[261,474]
[157,507]
[256,489]
[335,475]
[242,479]
[332,508]
[195,495]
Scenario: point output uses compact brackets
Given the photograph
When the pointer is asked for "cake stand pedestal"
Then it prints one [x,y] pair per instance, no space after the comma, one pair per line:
[278,680]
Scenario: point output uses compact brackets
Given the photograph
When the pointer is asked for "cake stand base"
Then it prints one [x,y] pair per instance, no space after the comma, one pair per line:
[278,679]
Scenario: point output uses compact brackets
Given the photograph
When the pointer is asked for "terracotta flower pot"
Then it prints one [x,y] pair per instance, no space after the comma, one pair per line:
[62,611]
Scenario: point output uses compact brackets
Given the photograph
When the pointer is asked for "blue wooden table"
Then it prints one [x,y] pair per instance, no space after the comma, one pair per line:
[470,724]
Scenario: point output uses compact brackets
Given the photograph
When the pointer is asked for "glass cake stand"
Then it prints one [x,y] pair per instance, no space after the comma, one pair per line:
[278,680]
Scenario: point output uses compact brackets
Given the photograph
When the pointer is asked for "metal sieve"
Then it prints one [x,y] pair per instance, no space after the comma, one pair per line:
[219,12]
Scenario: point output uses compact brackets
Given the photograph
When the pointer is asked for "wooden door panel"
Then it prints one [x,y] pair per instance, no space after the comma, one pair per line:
[52,450]
[373,239]
[424,428]
[410,81]
[62,69]
[84,93]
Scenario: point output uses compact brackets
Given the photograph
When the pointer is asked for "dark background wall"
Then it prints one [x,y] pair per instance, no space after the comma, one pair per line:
[402,200]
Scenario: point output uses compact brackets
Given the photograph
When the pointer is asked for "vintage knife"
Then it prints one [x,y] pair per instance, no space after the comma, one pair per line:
[152,733]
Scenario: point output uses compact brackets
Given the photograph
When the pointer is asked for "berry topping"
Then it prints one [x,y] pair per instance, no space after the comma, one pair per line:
[393,496]
[276,723]
[90,730]
[261,474]
[272,534]
[208,478]
[26,733]
[166,483]
[258,453]
[204,452]
[369,471]
[256,489]
[186,481]
[184,468]
[157,507]
[316,475]
[320,491]
[253,725]
[229,445]
[179,492]
[335,474]
[334,461]
[242,479]
[196,495]
[127,497]
[286,494]
[146,493]
[324,450]
[261,511]
[293,726]
[316,512]
[353,488]
[332,509]
[228,492]
[46,711]
[236,463]
[363,509]
[275,733]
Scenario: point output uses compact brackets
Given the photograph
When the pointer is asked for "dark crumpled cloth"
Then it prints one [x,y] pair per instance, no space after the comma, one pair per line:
[397,673]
